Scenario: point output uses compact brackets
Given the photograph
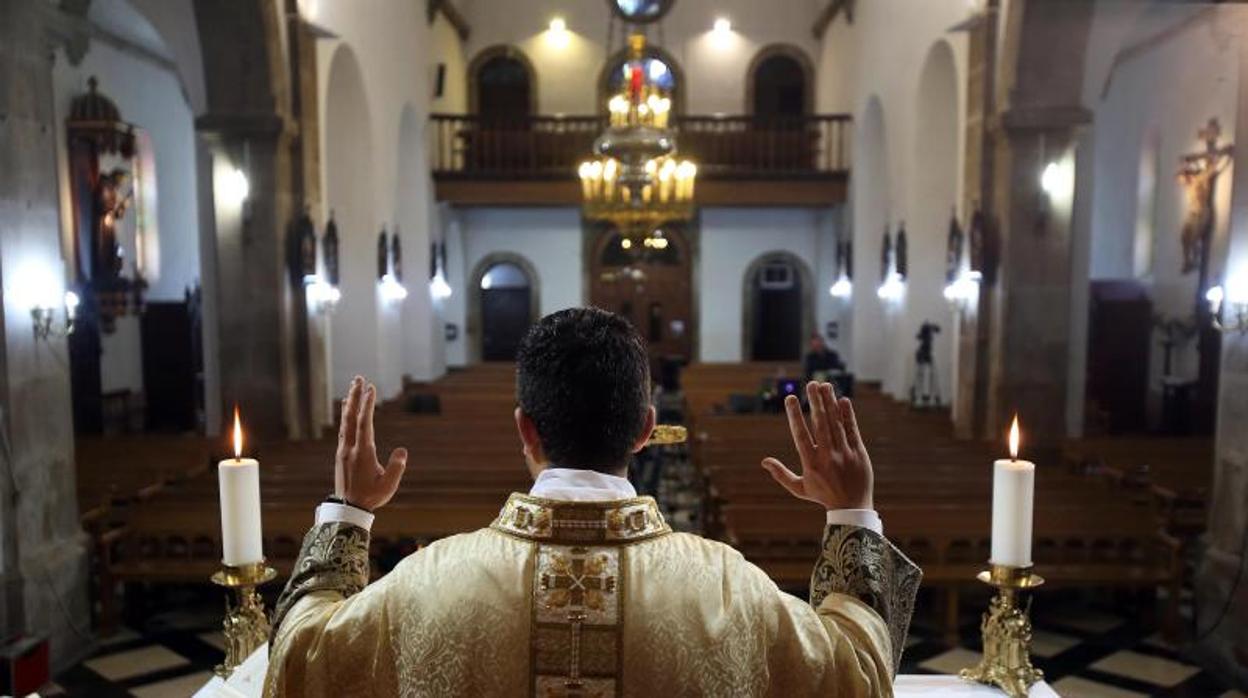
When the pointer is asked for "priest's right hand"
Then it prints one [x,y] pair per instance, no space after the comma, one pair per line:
[836,470]
[359,478]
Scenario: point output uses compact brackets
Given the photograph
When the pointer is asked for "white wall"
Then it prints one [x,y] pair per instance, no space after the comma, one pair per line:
[1156,74]
[880,58]
[732,239]
[396,50]
[715,72]
[549,238]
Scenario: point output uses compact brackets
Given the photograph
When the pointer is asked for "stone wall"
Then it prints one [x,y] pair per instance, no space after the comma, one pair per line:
[43,568]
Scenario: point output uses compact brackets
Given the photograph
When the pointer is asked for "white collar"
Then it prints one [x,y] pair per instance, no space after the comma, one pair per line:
[574,485]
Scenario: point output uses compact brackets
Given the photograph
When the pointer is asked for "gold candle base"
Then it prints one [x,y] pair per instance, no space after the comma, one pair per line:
[246,624]
[1006,629]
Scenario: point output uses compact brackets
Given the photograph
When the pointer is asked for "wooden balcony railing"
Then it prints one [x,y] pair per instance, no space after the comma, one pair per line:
[728,147]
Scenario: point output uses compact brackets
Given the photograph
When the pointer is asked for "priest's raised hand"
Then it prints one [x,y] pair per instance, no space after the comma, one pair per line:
[359,479]
[580,587]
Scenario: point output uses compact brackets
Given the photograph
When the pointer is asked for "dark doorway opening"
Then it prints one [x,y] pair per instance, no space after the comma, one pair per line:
[503,89]
[777,289]
[506,311]
[779,87]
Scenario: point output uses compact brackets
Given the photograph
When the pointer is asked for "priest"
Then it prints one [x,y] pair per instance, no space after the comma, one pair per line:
[579,587]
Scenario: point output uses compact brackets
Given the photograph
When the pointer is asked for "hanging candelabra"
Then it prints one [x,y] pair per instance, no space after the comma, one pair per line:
[635,182]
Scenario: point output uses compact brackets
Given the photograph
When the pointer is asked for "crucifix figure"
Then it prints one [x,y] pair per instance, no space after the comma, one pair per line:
[1199,175]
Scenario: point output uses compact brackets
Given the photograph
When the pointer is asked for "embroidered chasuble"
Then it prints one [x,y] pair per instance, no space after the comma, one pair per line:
[581,599]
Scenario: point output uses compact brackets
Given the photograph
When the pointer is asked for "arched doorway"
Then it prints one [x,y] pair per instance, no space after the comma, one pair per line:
[502,85]
[780,84]
[349,194]
[870,196]
[651,286]
[779,308]
[934,198]
[503,304]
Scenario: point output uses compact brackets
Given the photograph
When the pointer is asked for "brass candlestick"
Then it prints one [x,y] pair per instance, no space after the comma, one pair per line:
[246,624]
[1006,628]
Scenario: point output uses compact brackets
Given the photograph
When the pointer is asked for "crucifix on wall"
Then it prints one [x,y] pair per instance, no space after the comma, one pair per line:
[1198,174]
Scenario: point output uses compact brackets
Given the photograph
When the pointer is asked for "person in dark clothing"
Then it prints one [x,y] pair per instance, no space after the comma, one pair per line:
[821,361]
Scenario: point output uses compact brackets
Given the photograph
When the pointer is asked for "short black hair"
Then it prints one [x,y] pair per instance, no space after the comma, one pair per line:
[583,377]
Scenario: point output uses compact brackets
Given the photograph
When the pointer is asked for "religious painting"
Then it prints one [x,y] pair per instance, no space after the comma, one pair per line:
[383,254]
[953,254]
[901,256]
[329,248]
[1198,174]
[396,255]
[886,256]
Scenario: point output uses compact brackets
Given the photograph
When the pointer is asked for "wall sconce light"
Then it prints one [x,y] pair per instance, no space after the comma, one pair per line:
[37,290]
[893,289]
[323,297]
[438,288]
[557,33]
[237,188]
[843,288]
[1236,295]
[721,32]
[391,290]
[964,290]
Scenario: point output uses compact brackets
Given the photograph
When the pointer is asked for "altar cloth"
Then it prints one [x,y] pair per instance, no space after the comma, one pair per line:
[248,682]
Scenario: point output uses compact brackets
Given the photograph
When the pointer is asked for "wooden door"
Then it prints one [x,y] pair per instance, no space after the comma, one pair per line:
[653,289]
[506,314]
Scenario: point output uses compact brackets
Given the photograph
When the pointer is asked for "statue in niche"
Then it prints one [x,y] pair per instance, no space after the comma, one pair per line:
[396,255]
[303,263]
[329,246]
[1198,174]
[111,201]
[886,256]
[953,255]
[901,257]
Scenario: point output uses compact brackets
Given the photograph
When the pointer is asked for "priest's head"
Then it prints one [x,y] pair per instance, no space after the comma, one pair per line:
[583,386]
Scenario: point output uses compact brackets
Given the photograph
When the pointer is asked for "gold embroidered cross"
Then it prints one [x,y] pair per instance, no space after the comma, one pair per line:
[580,580]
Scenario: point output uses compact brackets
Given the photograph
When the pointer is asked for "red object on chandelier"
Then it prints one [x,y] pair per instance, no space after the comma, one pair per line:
[635,77]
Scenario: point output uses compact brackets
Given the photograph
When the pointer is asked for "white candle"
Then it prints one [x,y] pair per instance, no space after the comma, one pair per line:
[239,481]
[1013,497]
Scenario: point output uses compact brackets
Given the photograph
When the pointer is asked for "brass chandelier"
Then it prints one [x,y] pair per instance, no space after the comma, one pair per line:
[634,181]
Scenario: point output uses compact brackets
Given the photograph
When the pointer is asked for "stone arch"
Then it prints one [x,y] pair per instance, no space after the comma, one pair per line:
[617,59]
[484,56]
[788,51]
[474,330]
[870,200]
[933,198]
[749,304]
[349,195]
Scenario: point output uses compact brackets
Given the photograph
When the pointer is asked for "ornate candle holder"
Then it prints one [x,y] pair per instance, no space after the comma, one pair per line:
[1006,628]
[246,625]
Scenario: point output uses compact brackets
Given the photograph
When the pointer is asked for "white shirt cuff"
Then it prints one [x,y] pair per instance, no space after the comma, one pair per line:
[329,512]
[863,518]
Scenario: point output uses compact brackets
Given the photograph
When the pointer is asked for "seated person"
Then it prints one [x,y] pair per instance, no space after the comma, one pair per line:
[821,361]
[580,587]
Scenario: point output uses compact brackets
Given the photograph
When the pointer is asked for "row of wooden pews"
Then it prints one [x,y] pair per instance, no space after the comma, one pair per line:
[464,462]
[934,494]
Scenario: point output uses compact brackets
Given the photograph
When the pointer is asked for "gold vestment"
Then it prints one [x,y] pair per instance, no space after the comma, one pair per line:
[561,598]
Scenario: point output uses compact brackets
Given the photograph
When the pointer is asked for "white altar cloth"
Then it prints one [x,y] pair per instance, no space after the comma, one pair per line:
[248,682]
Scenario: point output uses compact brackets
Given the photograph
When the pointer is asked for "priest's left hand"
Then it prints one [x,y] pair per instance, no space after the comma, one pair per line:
[359,477]
[836,469]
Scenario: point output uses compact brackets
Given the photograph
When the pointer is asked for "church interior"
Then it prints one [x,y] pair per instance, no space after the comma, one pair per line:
[961,212]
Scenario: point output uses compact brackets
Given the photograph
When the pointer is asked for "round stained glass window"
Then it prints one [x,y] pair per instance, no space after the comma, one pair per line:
[641,11]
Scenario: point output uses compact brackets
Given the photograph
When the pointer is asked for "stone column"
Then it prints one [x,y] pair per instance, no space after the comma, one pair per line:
[43,551]
[1221,593]
[254,299]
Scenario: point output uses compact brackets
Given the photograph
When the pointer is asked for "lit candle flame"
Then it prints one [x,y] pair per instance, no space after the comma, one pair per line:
[1014,439]
[238,435]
